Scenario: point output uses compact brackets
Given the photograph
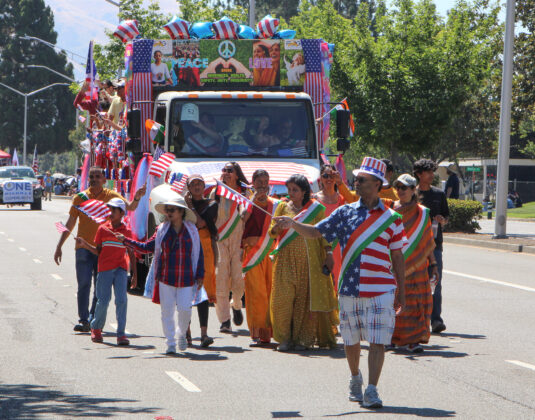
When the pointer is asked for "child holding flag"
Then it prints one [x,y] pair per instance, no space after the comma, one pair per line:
[112,271]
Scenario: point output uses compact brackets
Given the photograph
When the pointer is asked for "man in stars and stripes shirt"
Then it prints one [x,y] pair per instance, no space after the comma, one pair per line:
[372,275]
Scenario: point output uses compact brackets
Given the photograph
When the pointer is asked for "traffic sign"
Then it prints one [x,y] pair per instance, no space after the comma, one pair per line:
[472,169]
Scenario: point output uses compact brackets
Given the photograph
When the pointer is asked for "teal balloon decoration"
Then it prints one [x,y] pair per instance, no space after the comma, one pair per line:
[285,34]
[246,32]
[201,30]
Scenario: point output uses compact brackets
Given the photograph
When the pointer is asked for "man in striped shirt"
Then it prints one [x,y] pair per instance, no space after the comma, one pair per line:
[372,276]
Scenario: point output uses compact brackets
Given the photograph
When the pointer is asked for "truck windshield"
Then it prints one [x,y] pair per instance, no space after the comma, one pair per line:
[222,128]
[16,173]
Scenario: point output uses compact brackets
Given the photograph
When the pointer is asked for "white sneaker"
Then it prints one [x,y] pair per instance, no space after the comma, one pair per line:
[355,388]
[371,398]
[170,350]
[182,343]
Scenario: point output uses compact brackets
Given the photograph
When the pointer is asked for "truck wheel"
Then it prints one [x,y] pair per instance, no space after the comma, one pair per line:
[37,204]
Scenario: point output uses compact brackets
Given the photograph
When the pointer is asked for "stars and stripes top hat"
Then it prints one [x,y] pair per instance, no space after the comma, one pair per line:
[127,30]
[372,166]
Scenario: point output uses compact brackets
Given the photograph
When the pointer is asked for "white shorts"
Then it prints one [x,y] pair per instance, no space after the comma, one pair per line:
[367,319]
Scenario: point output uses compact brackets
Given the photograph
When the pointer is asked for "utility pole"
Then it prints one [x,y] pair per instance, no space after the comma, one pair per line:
[502,179]
[252,19]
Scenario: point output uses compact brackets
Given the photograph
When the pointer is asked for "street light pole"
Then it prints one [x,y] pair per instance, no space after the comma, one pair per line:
[26,108]
[502,179]
[37,66]
[252,13]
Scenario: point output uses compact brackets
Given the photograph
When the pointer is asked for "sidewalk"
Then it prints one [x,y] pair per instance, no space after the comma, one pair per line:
[521,236]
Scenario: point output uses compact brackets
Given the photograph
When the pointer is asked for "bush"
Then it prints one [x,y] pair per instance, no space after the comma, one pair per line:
[464,215]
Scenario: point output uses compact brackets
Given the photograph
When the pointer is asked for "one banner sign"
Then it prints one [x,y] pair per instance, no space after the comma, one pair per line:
[18,192]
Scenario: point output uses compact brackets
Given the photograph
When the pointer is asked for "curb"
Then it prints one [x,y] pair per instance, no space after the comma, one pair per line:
[487,244]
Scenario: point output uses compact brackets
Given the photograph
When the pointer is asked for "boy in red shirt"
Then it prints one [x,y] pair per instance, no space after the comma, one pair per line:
[112,271]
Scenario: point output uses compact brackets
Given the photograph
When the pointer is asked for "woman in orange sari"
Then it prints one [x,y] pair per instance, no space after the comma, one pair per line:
[412,325]
[257,266]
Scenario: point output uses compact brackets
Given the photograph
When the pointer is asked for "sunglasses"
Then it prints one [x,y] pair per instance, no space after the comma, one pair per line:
[170,209]
[227,170]
[360,179]
[401,187]
[327,176]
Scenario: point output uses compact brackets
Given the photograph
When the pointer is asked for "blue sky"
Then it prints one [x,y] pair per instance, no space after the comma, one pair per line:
[79,21]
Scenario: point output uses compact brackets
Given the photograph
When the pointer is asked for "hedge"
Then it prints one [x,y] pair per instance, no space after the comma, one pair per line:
[464,215]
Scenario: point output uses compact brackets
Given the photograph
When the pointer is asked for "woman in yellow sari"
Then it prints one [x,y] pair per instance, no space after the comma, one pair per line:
[412,325]
[300,289]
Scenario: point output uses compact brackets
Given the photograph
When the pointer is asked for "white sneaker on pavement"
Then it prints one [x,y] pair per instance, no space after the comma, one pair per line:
[170,350]
[182,343]
[371,398]
[355,388]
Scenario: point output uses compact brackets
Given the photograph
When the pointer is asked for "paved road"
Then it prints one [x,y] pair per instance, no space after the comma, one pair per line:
[515,228]
[482,367]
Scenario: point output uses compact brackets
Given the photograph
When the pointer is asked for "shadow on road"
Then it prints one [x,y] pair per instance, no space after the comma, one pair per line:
[336,353]
[36,401]
[419,412]
[468,336]
[285,414]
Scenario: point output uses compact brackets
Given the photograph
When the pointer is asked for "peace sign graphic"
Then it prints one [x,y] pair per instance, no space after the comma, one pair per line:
[226,49]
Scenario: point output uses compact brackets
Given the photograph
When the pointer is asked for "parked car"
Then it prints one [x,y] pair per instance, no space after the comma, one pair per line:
[19,185]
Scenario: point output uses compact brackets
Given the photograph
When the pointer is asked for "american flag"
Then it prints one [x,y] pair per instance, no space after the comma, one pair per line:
[314,79]
[96,210]
[142,84]
[228,193]
[91,74]
[179,182]
[35,162]
[61,227]
[158,167]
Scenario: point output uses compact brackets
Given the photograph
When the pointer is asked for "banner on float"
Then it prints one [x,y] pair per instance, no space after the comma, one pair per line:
[17,192]
[230,62]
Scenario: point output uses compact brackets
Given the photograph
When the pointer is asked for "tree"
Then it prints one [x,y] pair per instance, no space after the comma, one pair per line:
[50,113]
[285,9]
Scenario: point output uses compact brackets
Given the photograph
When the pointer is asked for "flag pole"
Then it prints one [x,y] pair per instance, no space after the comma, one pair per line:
[236,192]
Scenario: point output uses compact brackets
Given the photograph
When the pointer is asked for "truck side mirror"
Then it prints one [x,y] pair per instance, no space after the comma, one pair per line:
[134,123]
[342,123]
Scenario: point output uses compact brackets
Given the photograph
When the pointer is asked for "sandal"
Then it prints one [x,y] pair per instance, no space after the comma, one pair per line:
[206,341]
[188,338]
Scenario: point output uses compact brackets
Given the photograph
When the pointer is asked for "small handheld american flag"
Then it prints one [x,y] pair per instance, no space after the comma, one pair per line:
[61,227]
[179,183]
[96,210]
[228,193]
[158,167]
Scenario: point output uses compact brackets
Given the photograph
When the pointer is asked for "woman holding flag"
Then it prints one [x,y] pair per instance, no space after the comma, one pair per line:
[412,325]
[229,265]
[257,266]
[301,286]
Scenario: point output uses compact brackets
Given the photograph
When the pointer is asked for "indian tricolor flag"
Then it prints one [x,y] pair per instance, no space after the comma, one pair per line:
[156,131]
[344,106]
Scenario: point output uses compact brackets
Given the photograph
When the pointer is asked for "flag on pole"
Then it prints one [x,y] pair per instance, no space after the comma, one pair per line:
[225,191]
[341,167]
[156,131]
[15,158]
[61,227]
[158,167]
[179,182]
[91,74]
[142,83]
[35,162]
[96,210]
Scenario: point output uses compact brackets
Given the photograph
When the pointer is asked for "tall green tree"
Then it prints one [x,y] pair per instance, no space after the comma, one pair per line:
[50,113]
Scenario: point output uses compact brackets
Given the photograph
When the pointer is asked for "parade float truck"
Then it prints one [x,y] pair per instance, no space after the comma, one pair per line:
[247,101]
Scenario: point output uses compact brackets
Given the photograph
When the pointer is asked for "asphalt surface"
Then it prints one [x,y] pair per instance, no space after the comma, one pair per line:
[481,367]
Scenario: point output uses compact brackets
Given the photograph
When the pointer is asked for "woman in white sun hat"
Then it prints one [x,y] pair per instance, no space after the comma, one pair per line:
[178,267]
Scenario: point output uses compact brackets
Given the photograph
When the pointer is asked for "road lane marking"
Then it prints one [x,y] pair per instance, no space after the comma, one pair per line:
[11,240]
[2,233]
[522,364]
[56,276]
[183,381]
[502,283]
[114,326]
[22,249]
[37,261]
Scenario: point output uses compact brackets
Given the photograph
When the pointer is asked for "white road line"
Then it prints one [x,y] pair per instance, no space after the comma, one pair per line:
[2,233]
[502,283]
[37,261]
[183,381]
[114,326]
[10,240]
[22,249]
[522,364]
[56,276]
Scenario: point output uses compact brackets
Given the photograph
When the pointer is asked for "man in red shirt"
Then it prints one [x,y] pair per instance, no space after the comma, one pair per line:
[112,271]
